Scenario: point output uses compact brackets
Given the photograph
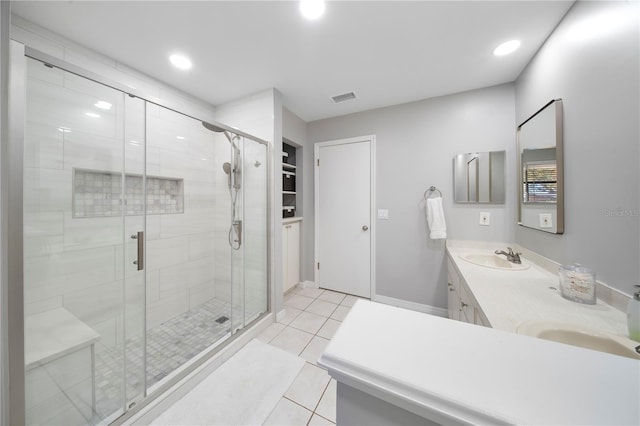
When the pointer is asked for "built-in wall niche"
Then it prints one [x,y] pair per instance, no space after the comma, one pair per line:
[289,189]
[98,193]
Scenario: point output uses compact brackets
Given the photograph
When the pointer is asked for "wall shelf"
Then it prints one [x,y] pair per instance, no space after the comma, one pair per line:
[289,192]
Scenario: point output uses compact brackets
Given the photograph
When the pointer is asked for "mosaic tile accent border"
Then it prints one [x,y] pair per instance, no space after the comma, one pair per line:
[99,194]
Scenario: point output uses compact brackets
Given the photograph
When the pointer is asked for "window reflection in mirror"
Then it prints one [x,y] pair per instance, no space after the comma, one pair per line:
[539,176]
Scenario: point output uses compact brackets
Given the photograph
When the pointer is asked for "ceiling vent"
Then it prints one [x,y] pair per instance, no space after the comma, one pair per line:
[343,97]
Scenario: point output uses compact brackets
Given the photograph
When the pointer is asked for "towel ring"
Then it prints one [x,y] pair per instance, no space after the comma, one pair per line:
[431,191]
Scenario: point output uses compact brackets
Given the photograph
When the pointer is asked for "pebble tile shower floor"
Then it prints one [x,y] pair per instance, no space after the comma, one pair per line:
[169,345]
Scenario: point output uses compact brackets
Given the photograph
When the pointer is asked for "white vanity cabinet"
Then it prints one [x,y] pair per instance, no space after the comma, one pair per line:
[453,293]
[290,254]
[460,303]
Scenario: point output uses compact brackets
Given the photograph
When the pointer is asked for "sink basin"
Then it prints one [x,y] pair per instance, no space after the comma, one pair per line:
[580,336]
[494,261]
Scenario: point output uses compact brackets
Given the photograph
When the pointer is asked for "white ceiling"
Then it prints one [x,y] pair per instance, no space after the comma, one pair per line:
[387,52]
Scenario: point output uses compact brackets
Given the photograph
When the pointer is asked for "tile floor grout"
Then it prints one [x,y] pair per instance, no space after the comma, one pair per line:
[345,301]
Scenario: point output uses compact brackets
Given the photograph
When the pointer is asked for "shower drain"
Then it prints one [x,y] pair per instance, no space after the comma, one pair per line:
[222,319]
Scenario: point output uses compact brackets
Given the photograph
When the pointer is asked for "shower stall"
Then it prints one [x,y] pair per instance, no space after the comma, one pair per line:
[144,242]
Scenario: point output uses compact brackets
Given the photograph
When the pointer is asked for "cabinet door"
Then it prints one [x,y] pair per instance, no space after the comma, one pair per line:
[453,300]
[285,258]
[291,263]
[293,271]
[466,307]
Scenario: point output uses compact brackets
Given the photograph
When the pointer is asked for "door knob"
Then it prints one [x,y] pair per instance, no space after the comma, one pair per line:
[365,228]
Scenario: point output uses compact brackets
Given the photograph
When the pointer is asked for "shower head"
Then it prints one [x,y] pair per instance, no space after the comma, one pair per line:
[217,129]
[213,127]
[227,168]
[228,134]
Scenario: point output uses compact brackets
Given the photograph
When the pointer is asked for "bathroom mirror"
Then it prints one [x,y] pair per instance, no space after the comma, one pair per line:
[479,177]
[540,178]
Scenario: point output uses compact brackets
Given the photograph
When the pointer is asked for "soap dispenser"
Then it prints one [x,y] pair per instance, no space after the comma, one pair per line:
[633,315]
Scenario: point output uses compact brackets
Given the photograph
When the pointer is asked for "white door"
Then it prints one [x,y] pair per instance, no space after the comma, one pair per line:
[344,195]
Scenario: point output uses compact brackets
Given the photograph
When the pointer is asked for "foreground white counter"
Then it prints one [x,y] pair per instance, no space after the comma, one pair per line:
[451,372]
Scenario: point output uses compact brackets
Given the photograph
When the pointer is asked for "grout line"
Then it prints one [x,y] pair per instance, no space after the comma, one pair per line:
[322,417]
[322,395]
[298,404]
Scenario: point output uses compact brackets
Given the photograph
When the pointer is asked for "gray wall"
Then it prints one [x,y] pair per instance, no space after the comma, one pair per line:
[415,144]
[596,74]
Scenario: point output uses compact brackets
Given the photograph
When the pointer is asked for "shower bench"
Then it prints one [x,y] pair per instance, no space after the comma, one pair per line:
[55,333]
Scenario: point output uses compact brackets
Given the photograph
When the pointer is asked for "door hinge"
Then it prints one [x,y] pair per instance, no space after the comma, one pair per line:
[318,265]
[318,162]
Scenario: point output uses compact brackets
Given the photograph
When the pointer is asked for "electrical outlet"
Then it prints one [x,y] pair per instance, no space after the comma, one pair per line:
[383,214]
[545,220]
[485,218]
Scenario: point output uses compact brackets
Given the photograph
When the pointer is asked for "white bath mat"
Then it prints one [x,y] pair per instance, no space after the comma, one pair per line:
[242,391]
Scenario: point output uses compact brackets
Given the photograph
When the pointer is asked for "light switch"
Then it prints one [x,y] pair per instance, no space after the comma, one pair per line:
[383,214]
[485,218]
[546,220]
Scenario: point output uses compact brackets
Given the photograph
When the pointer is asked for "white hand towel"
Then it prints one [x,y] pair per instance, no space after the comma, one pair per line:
[435,218]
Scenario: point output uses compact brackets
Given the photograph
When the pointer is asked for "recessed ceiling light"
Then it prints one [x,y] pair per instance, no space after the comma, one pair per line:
[102,105]
[507,47]
[180,137]
[180,61]
[92,115]
[312,9]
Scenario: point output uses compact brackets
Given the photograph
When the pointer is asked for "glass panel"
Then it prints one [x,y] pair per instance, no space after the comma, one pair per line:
[134,278]
[255,229]
[73,248]
[188,309]
[237,231]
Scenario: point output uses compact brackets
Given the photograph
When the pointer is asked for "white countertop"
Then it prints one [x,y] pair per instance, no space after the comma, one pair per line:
[53,334]
[291,219]
[508,298]
[457,373]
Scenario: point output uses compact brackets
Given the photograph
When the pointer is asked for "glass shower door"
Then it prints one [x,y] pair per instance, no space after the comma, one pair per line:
[82,291]
[255,222]
[188,308]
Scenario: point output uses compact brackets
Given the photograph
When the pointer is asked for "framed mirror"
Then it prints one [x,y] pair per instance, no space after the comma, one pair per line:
[540,170]
[479,177]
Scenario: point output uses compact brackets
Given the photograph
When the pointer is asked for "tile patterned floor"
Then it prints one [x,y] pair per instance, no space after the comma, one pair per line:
[169,345]
[311,318]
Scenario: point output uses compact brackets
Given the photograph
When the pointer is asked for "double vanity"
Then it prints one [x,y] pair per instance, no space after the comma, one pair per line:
[488,290]
[396,366]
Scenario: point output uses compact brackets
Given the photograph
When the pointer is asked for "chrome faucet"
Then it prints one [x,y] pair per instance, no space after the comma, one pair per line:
[511,256]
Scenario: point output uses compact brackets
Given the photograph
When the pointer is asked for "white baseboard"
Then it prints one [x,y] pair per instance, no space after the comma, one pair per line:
[307,284]
[418,307]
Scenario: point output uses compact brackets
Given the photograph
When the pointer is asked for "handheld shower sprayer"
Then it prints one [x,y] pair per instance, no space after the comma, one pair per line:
[233,182]
[227,169]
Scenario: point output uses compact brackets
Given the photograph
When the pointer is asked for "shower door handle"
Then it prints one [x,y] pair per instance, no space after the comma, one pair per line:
[140,261]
